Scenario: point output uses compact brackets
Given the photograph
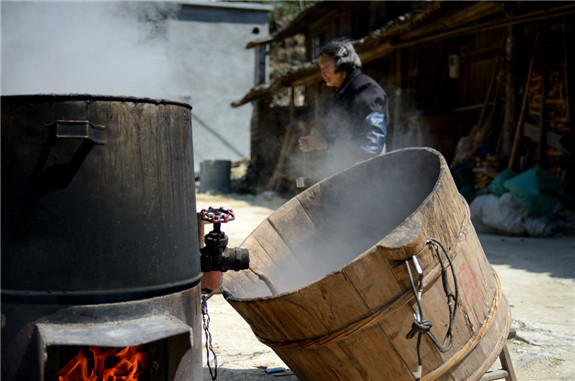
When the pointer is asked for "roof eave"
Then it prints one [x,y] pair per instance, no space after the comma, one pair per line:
[394,37]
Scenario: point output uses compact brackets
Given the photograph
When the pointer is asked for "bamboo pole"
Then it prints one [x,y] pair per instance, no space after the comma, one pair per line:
[519,128]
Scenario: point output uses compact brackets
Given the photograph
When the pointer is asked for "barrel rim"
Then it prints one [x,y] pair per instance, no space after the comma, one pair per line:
[441,173]
[55,97]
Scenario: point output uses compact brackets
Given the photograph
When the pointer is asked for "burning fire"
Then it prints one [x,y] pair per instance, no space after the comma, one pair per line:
[107,364]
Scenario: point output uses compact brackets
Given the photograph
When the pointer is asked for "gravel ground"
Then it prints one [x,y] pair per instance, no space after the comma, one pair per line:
[537,276]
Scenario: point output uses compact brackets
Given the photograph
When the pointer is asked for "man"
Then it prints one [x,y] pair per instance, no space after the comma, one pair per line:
[354,129]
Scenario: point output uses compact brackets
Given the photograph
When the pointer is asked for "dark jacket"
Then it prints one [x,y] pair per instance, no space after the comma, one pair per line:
[345,127]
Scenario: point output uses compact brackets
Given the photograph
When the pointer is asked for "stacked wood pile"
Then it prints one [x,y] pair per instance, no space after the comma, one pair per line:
[281,177]
[288,168]
[486,169]
[548,101]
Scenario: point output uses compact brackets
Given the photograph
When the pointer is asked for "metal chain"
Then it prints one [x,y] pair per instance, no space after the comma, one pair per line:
[206,326]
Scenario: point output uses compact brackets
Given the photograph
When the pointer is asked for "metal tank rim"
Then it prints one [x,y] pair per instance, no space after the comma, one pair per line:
[95,97]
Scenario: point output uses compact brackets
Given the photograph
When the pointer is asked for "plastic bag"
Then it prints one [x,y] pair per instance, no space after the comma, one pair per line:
[496,187]
[505,216]
[503,213]
[535,190]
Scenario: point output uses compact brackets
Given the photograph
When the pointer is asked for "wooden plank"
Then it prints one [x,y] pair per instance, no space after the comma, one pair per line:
[506,363]
[294,226]
[482,349]
[495,375]
[271,242]
[281,320]
[242,285]
[246,284]
[321,250]
[372,278]
[404,241]
[334,300]
[359,350]
[474,366]
[435,308]
[260,258]
[314,364]
[284,271]
[259,321]
[396,326]
[337,365]
[448,203]
[286,264]
[297,249]
[476,279]
[552,139]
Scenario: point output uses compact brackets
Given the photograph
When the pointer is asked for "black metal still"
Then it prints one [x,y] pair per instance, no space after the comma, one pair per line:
[98,199]
[99,230]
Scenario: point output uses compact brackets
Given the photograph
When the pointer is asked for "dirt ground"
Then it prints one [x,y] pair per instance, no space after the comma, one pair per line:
[537,276]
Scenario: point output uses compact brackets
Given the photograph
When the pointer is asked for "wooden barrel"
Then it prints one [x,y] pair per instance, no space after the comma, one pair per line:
[339,254]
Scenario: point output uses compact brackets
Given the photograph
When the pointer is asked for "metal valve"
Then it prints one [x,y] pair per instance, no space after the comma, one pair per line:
[218,216]
[215,255]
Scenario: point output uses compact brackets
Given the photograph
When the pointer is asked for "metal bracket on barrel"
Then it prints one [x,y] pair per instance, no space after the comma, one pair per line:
[79,129]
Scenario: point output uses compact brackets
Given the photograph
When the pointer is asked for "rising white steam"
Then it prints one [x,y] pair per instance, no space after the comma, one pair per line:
[107,48]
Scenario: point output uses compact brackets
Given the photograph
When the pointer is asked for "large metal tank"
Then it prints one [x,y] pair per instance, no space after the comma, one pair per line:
[100,247]
[98,200]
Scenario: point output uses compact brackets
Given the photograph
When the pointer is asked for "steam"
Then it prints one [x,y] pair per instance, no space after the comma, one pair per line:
[106,48]
[351,212]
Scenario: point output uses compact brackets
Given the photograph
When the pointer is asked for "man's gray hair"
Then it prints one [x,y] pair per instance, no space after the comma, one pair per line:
[342,51]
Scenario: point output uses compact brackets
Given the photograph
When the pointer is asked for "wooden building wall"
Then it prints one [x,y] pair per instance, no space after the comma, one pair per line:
[431,107]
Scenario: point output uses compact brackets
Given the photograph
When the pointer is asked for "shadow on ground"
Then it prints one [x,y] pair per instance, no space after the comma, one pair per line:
[250,375]
[555,256]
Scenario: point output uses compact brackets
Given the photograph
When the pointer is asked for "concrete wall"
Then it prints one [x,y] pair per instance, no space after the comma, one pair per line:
[192,52]
[215,69]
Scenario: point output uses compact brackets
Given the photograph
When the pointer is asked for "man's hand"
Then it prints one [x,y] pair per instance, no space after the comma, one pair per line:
[312,143]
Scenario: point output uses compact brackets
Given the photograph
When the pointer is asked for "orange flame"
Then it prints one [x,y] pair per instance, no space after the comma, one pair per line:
[109,364]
